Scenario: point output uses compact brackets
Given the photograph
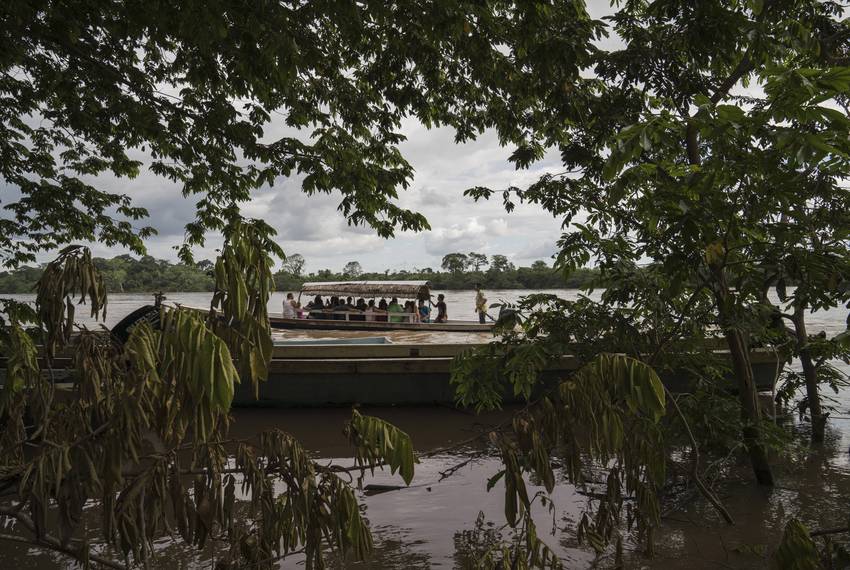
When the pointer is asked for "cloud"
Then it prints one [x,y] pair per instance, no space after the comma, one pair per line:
[533,252]
[465,238]
[498,227]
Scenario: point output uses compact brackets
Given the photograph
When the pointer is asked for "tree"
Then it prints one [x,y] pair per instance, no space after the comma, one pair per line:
[205,265]
[500,263]
[670,164]
[477,260]
[117,444]
[540,265]
[293,264]
[83,93]
[352,270]
[810,254]
[194,92]
[455,262]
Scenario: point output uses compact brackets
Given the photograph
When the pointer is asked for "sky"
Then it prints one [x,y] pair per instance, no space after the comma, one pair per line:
[312,226]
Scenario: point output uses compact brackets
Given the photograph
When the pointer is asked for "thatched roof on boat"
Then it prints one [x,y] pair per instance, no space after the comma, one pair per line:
[409,289]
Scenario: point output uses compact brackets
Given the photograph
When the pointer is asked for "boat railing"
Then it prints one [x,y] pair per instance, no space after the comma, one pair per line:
[398,317]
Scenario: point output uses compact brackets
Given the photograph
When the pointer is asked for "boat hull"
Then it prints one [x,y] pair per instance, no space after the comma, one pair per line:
[299,377]
[374,371]
[329,324]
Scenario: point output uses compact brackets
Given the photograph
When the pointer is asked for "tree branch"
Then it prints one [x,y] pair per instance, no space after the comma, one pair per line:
[52,543]
[703,489]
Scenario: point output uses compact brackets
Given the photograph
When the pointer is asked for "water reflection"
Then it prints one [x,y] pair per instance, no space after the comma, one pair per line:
[432,524]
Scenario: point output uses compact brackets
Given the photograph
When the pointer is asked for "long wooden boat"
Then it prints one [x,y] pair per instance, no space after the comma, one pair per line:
[374,371]
[377,372]
[326,319]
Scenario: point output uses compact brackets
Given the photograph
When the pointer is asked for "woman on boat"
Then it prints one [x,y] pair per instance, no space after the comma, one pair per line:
[410,309]
[371,312]
[442,312]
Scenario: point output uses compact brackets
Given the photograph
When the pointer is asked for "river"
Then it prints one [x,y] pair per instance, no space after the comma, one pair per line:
[428,525]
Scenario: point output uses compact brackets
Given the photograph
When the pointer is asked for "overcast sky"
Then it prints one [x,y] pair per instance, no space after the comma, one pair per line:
[312,226]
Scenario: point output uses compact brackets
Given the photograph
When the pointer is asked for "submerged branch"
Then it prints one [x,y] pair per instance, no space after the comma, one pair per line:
[75,550]
[828,531]
[703,488]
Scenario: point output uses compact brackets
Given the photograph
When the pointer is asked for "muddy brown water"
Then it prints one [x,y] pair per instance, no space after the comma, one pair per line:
[427,525]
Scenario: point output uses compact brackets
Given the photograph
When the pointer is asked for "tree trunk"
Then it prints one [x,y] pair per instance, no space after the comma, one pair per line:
[810,373]
[742,369]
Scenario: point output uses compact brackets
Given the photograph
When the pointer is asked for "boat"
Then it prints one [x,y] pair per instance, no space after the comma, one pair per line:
[327,319]
[376,371]
[343,372]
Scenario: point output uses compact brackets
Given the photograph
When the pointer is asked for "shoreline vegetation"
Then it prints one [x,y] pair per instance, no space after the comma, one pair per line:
[127,274]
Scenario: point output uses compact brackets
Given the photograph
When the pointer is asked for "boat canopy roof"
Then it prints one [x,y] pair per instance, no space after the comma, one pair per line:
[409,289]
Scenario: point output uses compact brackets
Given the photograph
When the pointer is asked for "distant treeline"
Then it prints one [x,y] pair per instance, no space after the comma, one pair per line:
[126,274]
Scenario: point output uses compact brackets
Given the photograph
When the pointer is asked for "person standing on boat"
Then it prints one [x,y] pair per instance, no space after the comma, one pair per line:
[442,312]
[291,307]
[480,303]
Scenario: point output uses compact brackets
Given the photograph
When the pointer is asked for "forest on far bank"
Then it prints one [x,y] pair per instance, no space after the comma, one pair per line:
[127,274]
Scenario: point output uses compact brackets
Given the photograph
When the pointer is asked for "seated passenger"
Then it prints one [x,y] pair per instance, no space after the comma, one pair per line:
[382,311]
[359,308]
[339,310]
[315,308]
[410,308]
[394,307]
[371,312]
[424,312]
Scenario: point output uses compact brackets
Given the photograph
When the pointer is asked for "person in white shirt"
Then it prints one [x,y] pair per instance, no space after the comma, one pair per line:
[290,307]
[370,310]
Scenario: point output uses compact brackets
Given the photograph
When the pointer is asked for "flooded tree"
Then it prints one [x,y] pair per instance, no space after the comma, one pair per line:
[691,149]
[142,439]
[107,90]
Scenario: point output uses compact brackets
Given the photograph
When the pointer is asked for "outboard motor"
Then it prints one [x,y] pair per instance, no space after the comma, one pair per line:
[150,313]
